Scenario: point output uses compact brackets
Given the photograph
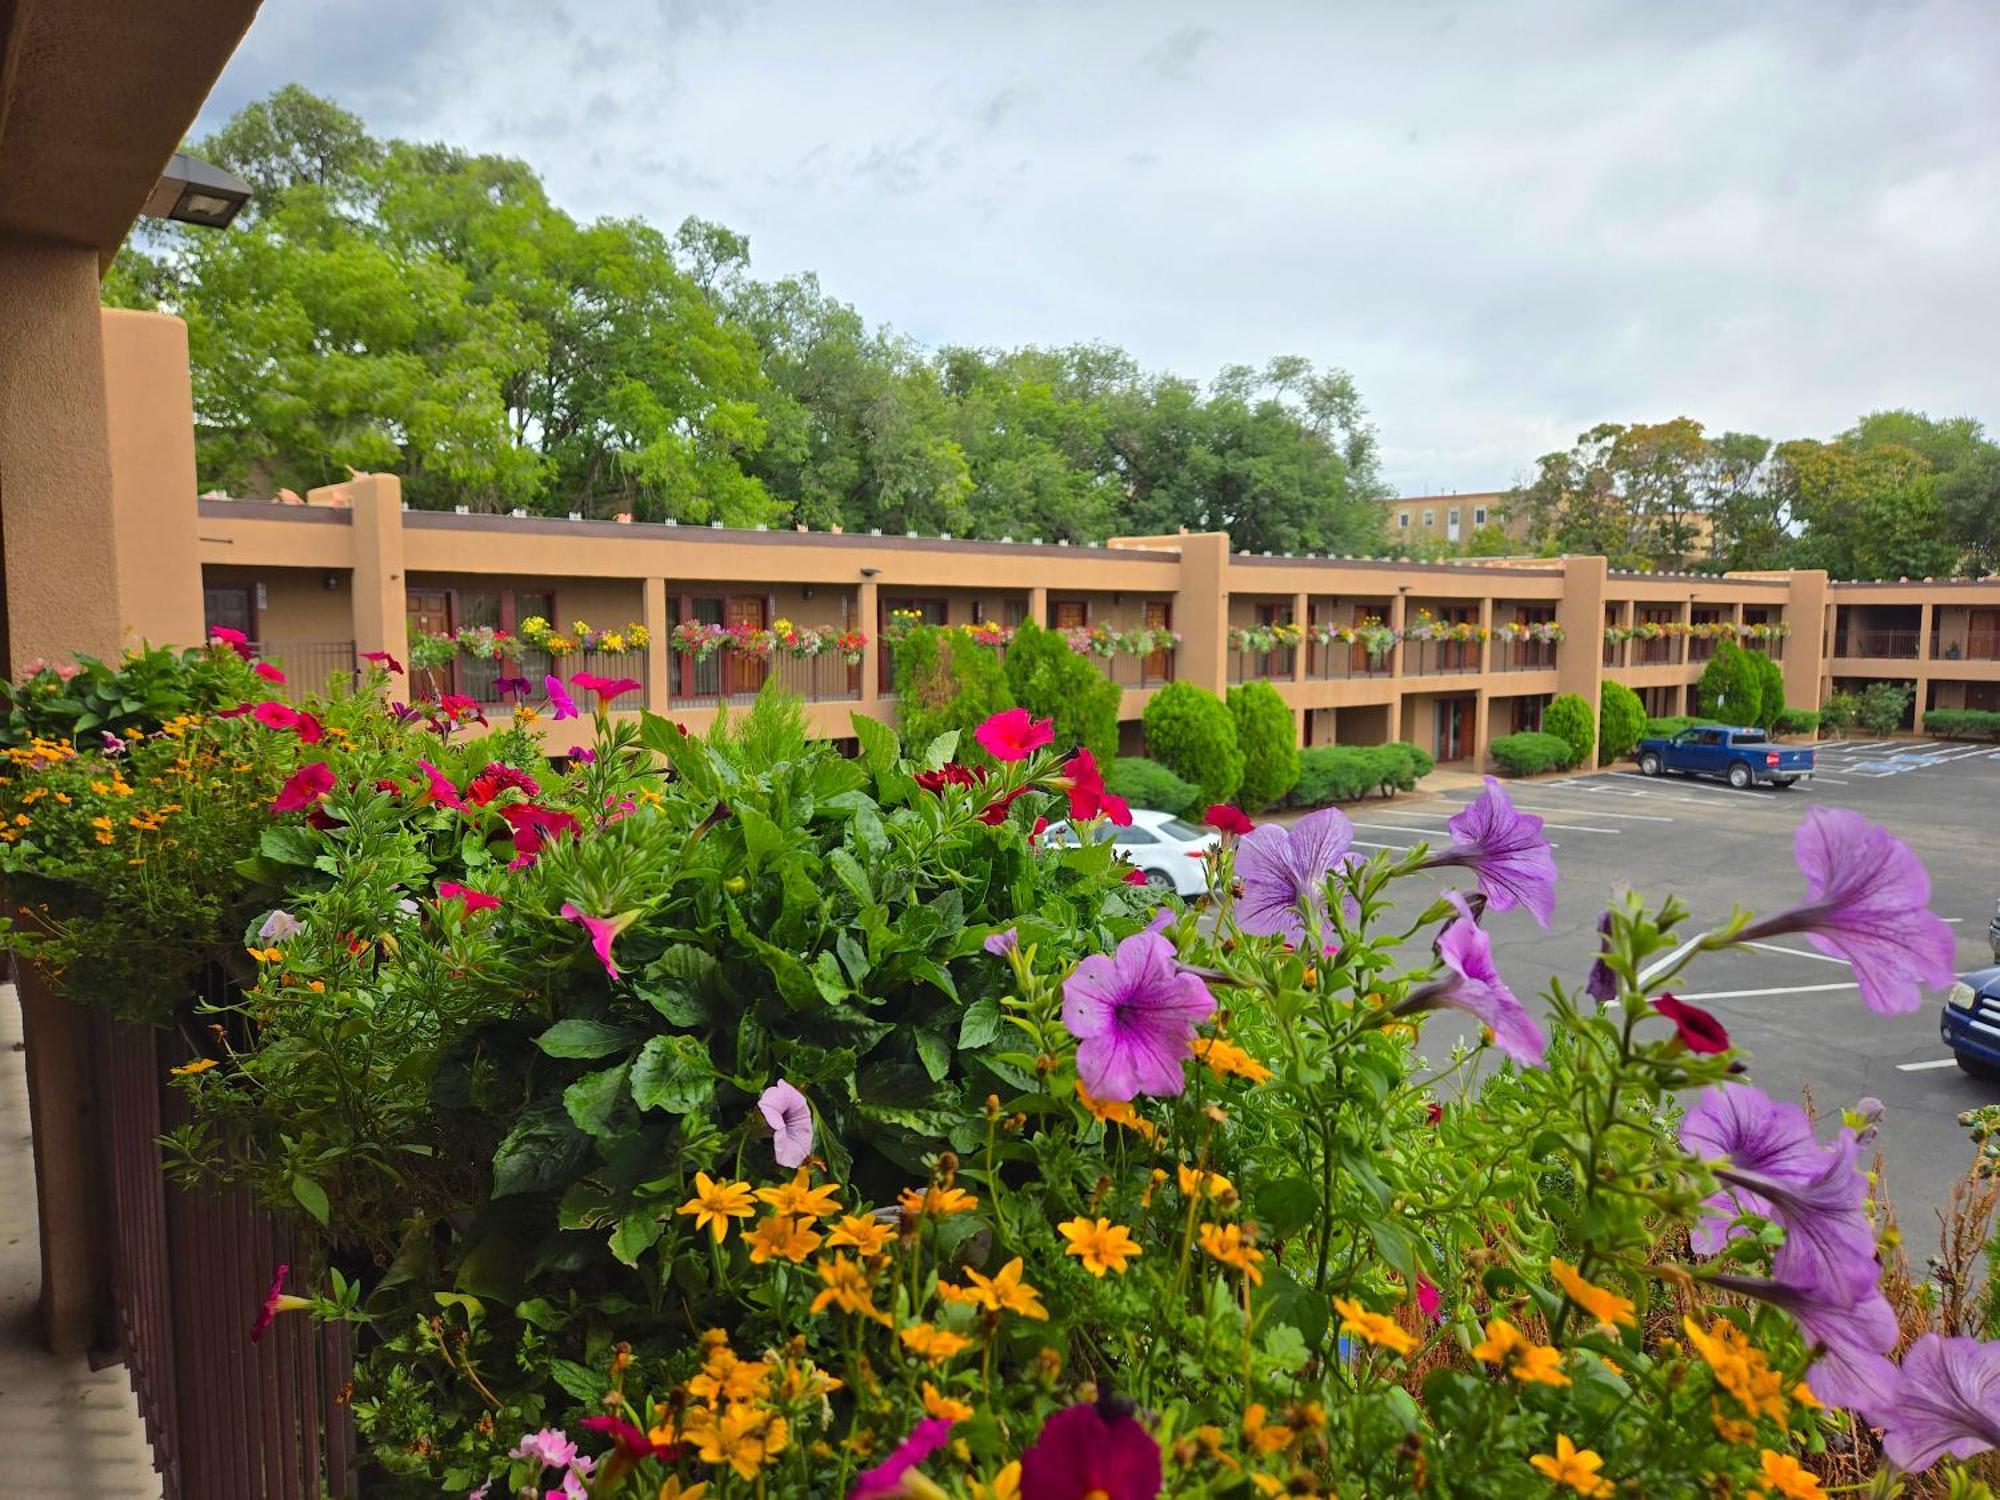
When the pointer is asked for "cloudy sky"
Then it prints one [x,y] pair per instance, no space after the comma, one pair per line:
[1509,219]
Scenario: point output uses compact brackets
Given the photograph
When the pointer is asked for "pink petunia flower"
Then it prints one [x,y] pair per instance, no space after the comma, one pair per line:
[1014,735]
[383,659]
[1231,820]
[1134,1015]
[451,890]
[304,787]
[235,640]
[1506,851]
[602,931]
[886,1478]
[560,702]
[266,671]
[439,787]
[1096,1449]
[788,1114]
[1084,783]
[275,715]
[1473,985]
[1699,1030]
[276,1300]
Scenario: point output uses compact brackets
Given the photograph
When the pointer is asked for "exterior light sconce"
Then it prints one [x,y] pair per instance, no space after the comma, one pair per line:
[869,572]
[191,191]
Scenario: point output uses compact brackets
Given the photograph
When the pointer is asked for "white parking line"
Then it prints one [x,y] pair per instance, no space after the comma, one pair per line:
[1595,812]
[1402,828]
[1795,989]
[1829,780]
[1825,958]
[1925,1067]
[1719,787]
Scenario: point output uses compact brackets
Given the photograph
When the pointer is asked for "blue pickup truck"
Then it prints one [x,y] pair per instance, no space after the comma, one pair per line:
[1739,756]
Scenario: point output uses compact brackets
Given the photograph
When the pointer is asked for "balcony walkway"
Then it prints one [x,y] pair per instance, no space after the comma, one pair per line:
[69,1433]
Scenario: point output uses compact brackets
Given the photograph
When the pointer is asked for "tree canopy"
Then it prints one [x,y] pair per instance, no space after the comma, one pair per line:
[394,305]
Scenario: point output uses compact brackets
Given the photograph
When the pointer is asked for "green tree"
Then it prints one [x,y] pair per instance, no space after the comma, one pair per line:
[1268,736]
[1191,732]
[1569,719]
[1731,690]
[945,680]
[1621,719]
[1053,682]
[1770,688]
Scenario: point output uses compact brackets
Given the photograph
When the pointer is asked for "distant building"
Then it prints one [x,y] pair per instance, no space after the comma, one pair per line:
[1447,519]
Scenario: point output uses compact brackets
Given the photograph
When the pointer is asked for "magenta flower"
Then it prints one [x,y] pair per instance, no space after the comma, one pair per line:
[582,754]
[1473,985]
[1506,852]
[1767,1138]
[512,687]
[1946,1399]
[266,671]
[1867,902]
[1228,818]
[559,698]
[1428,1300]
[886,1478]
[1134,1016]
[607,689]
[790,1117]
[1096,1449]
[497,778]
[533,827]
[1699,1031]
[451,890]
[1000,944]
[631,1441]
[1014,734]
[276,1300]
[235,640]
[382,659]
[602,930]
[1284,873]
[304,787]
[440,788]
[1084,783]
[112,744]
[275,715]
[1601,984]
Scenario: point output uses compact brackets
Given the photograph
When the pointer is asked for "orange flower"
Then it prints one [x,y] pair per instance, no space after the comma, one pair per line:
[1226,1243]
[938,1202]
[865,1234]
[1117,1112]
[1101,1246]
[1224,1058]
[714,1204]
[930,1342]
[846,1287]
[782,1238]
[801,1200]
[1606,1307]
[1004,1291]
[1376,1328]
[937,1404]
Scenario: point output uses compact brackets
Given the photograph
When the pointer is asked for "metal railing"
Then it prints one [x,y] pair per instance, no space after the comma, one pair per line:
[1132,671]
[313,669]
[1338,660]
[1978,646]
[1277,665]
[1663,651]
[1440,658]
[1523,656]
[226,1419]
[1894,645]
[732,677]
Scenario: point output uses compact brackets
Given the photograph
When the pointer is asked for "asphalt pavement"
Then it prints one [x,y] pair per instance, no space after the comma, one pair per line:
[1795,1012]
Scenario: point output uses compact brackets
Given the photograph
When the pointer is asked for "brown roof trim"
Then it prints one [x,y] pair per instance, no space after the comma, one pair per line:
[1916,583]
[272,510]
[1389,565]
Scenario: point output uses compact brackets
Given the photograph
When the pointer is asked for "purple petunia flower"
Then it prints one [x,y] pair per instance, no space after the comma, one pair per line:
[1284,872]
[1506,852]
[112,744]
[1946,1399]
[886,1478]
[1851,1336]
[1756,1134]
[1867,902]
[1000,944]
[790,1117]
[279,925]
[1095,1448]
[1472,984]
[559,698]
[1602,984]
[1134,1015]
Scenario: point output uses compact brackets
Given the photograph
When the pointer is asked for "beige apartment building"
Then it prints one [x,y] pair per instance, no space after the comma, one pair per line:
[1447,520]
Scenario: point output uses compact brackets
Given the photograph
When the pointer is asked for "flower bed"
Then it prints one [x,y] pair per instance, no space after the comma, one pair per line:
[727,1113]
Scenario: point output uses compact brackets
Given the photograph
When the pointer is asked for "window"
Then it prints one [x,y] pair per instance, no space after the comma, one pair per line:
[1187,833]
[1134,836]
[1478,515]
[1403,520]
[1451,516]
[1430,518]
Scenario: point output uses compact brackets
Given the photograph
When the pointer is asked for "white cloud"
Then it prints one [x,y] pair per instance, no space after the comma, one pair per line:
[1508,220]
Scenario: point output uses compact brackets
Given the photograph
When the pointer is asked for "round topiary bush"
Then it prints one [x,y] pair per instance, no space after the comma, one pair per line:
[1621,718]
[1570,720]
[1730,689]
[1530,753]
[1192,733]
[1051,681]
[1268,736]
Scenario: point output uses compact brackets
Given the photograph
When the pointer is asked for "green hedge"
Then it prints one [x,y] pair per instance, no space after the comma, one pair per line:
[1342,773]
[1570,720]
[1053,682]
[946,680]
[1963,724]
[1527,754]
[1620,718]
[1798,721]
[1268,736]
[1147,783]
[1771,688]
[1838,714]
[1191,732]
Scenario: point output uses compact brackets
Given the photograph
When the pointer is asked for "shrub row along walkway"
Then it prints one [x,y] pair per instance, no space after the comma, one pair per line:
[69,1433]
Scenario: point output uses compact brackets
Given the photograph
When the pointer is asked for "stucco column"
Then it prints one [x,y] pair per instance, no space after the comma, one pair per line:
[1201,611]
[149,407]
[1580,612]
[1925,618]
[869,609]
[57,517]
[1301,608]
[659,663]
[1803,652]
[381,591]
[1038,604]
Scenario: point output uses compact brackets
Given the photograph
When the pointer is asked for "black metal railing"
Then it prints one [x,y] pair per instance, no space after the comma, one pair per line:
[313,669]
[1440,658]
[1892,645]
[737,677]
[1523,656]
[1337,660]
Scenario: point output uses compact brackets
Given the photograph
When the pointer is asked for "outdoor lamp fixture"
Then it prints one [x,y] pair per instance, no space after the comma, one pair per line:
[191,191]
[869,572]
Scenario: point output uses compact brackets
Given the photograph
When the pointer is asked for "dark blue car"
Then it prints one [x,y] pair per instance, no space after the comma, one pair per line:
[1970,1024]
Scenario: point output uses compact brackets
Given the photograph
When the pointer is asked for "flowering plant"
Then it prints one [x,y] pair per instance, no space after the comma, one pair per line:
[583,636]
[1428,627]
[1259,639]
[1540,631]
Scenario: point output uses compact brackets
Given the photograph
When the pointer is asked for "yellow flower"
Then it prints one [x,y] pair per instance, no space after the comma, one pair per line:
[525,713]
[1573,1466]
[1193,1180]
[1101,1246]
[801,1200]
[1006,1485]
[1730,1429]
[1526,1361]
[746,1438]
[714,1204]
[724,1377]
[936,1201]
[1377,1328]
[1739,1367]
[1224,1058]
[673,1489]
[1539,1364]
[779,1237]
[1606,1307]
[937,1404]
[1788,1477]
[1004,1291]
[1117,1112]
[188,1070]
[1262,1436]
[1226,1243]
[1802,1393]
[930,1342]
[866,1234]
[846,1287]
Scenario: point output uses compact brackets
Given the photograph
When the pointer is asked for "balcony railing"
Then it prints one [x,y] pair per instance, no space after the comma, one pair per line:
[1979,646]
[480,679]
[1336,660]
[1440,658]
[736,678]
[1700,647]
[1664,652]
[1892,645]
[311,668]
[1267,666]
[1127,670]
[1523,656]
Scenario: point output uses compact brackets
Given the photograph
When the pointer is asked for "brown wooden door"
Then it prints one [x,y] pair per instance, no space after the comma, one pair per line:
[1070,614]
[430,614]
[229,605]
[1158,665]
[746,672]
[1983,637]
[1357,654]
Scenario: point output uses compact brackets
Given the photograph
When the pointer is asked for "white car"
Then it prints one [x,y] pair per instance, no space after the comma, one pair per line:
[1169,849]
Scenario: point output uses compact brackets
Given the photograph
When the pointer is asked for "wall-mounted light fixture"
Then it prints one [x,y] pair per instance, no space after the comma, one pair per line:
[191,191]
[330,582]
[869,572]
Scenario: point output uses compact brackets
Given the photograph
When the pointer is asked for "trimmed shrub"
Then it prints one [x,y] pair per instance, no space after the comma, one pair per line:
[1569,719]
[1797,721]
[1620,718]
[1731,691]
[1268,736]
[945,680]
[1771,688]
[1342,773]
[1053,682]
[1838,713]
[1147,783]
[1191,732]
[1883,705]
[1527,754]
[1672,724]
[1963,723]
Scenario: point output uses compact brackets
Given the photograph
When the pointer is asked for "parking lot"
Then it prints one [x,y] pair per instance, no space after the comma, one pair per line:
[1796,1012]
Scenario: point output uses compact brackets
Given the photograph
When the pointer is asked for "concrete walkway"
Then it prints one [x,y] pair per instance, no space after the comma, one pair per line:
[68,1432]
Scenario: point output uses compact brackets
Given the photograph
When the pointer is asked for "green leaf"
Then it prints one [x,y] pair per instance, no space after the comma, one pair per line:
[579,1037]
[579,1382]
[852,956]
[935,1054]
[312,1197]
[761,837]
[1287,1205]
[979,1025]
[593,1100]
[848,869]
[940,750]
[673,1073]
[636,1233]
[542,1151]
[879,745]
[290,844]
[832,984]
